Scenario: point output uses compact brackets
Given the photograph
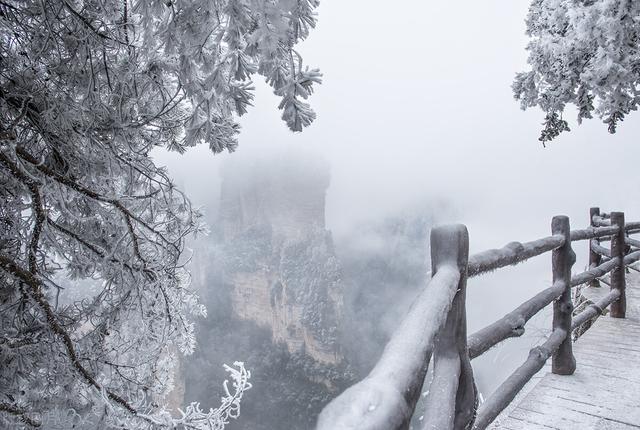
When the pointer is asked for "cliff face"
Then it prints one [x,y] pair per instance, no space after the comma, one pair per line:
[276,293]
[279,260]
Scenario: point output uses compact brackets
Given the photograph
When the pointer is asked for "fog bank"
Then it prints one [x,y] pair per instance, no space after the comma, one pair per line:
[416,109]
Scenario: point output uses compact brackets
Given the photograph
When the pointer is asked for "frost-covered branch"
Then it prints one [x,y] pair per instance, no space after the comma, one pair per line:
[583,53]
[92,231]
[20,413]
[36,294]
[216,419]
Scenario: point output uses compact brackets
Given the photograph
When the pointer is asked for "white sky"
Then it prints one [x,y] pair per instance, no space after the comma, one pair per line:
[417,104]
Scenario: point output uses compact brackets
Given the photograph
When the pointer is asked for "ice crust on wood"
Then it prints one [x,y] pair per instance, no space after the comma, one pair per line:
[440,408]
[594,273]
[504,394]
[603,393]
[512,253]
[383,399]
[593,233]
[513,323]
[386,398]
[633,242]
[596,247]
[595,308]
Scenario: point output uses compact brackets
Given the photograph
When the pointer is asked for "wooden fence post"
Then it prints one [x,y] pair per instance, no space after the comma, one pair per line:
[563,361]
[594,258]
[450,245]
[619,307]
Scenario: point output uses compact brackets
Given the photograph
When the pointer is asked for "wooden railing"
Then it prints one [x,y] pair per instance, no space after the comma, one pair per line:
[436,325]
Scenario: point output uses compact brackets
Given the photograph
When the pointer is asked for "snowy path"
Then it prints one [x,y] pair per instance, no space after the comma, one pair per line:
[604,392]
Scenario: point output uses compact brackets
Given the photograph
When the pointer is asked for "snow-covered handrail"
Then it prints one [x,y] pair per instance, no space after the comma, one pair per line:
[512,253]
[386,398]
[505,394]
[512,324]
[436,324]
[595,247]
[516,252]
[594,273]
[632,227]
[632,242]
[595,309]
[593,233]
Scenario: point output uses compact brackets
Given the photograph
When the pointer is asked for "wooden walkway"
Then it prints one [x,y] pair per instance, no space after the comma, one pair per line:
[604,392]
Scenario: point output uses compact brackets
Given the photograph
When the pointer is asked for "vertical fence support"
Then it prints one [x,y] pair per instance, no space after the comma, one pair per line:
[619,307]
[594,258]
[563,361]
[450,245]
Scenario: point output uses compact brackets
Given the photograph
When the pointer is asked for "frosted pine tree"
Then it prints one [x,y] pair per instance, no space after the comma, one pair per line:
[94,297]
[585,53]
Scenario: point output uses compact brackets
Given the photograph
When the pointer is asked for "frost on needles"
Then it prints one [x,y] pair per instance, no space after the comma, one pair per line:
[95,305]
[585,53]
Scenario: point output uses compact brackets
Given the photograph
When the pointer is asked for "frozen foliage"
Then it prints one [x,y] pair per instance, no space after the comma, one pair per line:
[215,419]
[585,53]
[288,391]
[87,90]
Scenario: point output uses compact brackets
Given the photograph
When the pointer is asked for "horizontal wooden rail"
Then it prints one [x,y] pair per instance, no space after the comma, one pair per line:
[594,273]
[506,392]
[593,233]
[512,324]
[512,253]
[517,252]
[632,242]
[436,326]
[631,258]
[600,249]
[595,309]
[632,227]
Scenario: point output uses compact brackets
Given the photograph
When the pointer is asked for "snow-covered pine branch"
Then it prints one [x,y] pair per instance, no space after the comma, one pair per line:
[585,53]
[94,297]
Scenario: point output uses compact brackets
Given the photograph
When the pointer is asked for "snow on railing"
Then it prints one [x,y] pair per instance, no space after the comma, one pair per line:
[386,398]
[513,253]
[436,325]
